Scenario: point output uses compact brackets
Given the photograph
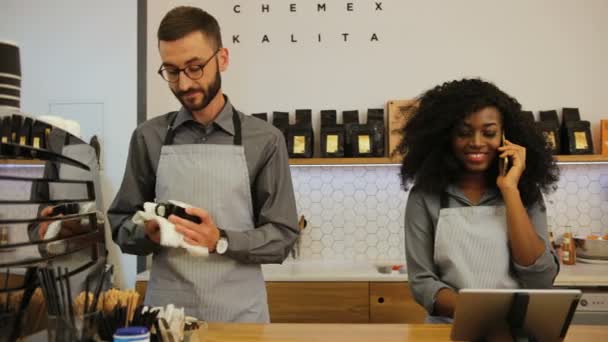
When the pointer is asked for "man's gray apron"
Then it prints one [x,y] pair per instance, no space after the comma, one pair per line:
[216,288]
[472,249]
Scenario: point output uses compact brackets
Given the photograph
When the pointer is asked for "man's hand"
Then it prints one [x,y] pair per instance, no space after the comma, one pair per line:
[204,234]
[44,226]
[152,230]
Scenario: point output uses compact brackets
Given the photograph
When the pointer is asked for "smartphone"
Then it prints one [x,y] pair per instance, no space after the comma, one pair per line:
[503,163]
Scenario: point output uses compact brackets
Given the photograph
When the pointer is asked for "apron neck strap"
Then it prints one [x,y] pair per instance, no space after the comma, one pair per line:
[236,121]
[443,200]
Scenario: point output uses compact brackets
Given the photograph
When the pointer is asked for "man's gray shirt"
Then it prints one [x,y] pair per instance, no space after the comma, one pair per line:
[421,216]
[272,193]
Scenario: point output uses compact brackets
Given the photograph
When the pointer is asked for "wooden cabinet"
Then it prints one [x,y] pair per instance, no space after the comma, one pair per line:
[338,302]
[318,302]
[393,303]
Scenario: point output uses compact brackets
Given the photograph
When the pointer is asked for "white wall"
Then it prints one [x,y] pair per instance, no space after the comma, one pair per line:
[549,54]
[82,52]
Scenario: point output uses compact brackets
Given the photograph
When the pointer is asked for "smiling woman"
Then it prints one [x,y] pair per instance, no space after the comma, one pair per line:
[467,225]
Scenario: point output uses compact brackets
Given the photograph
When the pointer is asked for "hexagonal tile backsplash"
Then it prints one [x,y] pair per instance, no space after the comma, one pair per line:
[357,213]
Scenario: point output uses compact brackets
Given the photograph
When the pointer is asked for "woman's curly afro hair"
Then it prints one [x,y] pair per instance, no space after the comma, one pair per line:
[426,145]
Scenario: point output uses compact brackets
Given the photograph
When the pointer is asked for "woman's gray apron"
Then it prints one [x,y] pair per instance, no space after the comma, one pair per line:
[215,288]
[472,249]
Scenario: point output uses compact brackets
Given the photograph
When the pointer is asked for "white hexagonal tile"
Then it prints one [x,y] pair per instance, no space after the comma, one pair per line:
[327,176]
[338,220]
[582,180]
[572,200]
[382,196]
[327,190]
[358,172]
[305,203]
[382,182]
[327,240]
[327,203]
[338,234]
[595,201]
[372,239]
[326,228]
[572,213]
[372,252]
[360,208]
[316,196]
[393,215]
[328,253]
[583,207]
[395,240]
[359,183]
[604,179]
[349,215]
[371,189]
[315,183]
[383,233]
[584,220]
[304,175]
[304,188]
[360,196]
[316,247]
[360,247]
[371,227]
[349,203]
[594,187]
[338,196]
[338,246]
[361,221]
[316,209]
[570,173]
[360,234]
[394,252]
[383,247]
[316,234]
[571,188]
[559,194]
[371,203]
[583,194]
[382,209]
[348,189]
[595,213]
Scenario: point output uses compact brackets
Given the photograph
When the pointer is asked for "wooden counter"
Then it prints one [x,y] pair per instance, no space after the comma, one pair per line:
[226,332]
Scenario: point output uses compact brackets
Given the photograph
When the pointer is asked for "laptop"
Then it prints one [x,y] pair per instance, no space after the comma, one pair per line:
[540,315]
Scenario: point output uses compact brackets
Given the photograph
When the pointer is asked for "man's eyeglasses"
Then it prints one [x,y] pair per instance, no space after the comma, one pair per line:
[194,71]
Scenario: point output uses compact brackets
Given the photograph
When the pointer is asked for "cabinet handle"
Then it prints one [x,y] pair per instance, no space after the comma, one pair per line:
[380,300]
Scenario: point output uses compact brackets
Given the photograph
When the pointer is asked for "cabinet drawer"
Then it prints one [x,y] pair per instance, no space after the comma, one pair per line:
[393,303]
[318,302]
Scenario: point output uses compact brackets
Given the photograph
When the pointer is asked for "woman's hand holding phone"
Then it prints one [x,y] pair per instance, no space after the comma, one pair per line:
[512,163]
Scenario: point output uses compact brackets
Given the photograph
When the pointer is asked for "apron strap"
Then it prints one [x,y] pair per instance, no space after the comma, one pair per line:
[443,200]
[170,132]
[236,121]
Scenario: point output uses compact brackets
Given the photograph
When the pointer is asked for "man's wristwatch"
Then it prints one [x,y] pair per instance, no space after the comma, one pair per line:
[222,244]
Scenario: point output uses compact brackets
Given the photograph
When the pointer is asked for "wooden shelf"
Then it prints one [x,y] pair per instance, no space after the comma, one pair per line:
[561,159]
[342,161]
[582,158]
[21,162]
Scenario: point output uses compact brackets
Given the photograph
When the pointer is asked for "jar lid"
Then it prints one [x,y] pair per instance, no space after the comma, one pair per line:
[130,331]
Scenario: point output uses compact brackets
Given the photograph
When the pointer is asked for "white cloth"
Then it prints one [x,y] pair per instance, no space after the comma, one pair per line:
[168,236]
